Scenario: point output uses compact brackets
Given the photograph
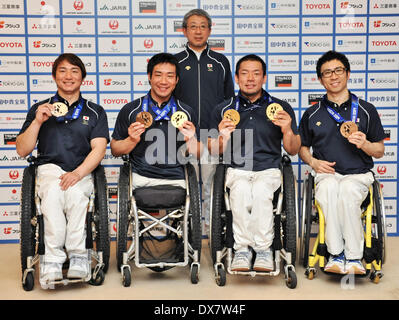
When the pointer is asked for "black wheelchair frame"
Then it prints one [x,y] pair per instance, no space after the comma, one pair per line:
[285,227]
[32,228]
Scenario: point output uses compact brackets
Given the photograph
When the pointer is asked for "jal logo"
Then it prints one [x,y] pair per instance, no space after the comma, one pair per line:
[107,82]
[13,174]
[113,24]
[148,43]
[78,5]
[381,170]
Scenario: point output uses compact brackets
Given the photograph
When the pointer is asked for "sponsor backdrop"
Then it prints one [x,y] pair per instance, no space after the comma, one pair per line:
[115,39]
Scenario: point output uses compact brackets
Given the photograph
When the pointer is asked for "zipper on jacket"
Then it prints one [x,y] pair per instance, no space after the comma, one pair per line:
[199,94]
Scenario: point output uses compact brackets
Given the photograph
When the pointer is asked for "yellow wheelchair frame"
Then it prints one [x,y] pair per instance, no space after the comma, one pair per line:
[367,217]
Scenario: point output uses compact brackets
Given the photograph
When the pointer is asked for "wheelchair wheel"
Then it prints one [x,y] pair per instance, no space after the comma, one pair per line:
[290,212]
[28,213]
[291,280]
[306,218]
[29,282]
[123,214]
[217,234]
[99,279]
[101,216]
[195,233]
[379,219]
[220,276]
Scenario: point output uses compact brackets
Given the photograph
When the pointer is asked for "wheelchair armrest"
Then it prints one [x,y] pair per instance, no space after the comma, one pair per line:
[32,160]
[125,158]
[285,160]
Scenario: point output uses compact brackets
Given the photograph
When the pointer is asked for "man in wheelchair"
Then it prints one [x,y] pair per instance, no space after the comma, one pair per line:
[250,129]
[157,131]
[71,135]
[140,121]
[344,132]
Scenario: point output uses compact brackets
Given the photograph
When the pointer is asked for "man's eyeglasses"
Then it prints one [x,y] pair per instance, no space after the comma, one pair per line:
[338,71]
[194,27]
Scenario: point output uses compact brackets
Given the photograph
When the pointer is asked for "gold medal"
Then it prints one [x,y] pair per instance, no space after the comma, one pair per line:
[347,128]
[232,115]
[60,109]
[145,118]
[272,110]
[178,118]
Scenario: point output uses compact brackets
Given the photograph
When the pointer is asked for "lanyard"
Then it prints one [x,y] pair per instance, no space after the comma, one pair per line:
[76,112]
[252,107]
[354,110]
[161,113]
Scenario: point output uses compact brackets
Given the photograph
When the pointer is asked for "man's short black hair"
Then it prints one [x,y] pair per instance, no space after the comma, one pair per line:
[72,59]
[250,57]
[162,58]
[332,55]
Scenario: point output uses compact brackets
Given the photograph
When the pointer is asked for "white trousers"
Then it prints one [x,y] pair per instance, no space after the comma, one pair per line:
[64,213]
[251,202]
[140,181]
[340,198]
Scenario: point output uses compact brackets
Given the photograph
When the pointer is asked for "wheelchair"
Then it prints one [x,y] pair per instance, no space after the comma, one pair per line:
[373,219]
[284,245]
[158,227]
[32,229]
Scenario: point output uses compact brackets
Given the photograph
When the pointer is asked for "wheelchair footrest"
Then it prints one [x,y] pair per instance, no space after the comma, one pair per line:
[154,261]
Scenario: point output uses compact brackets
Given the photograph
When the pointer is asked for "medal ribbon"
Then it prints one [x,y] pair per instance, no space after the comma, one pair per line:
[354,110]
[267,98]
[161,113]
[76,111]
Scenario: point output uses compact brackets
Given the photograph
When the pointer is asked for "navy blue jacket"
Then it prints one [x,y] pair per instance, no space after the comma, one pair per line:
[204,83]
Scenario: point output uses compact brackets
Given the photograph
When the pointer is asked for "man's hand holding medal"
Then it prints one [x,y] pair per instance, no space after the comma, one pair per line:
[279,116]
[46,110]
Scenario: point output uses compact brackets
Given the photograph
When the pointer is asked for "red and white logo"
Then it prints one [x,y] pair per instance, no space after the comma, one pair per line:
[7,230]
[383,43]
[113,24]
[317,6]
[8,44]
[107,82]
[13,174]
[148,43]
[78,5]
[381,169]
